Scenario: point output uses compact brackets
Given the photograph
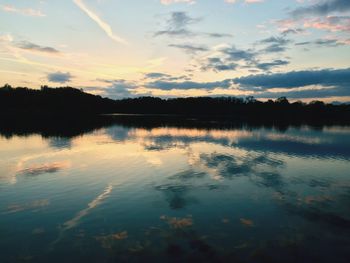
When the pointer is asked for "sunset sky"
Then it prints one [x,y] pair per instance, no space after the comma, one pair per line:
[170,48]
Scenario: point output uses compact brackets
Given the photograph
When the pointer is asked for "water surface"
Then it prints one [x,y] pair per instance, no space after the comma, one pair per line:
[172,194]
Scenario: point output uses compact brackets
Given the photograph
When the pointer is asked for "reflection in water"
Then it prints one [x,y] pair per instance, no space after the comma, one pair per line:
[33,206]
[247,222]
[93,204]
[60,143]
[178,223]
[210,193]
[109,240]
[38,231]
[39,169]
[77,218]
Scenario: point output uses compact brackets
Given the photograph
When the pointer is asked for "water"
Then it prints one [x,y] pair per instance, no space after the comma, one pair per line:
[123,193]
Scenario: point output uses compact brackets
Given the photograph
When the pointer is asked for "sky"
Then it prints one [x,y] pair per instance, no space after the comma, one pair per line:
[299,49]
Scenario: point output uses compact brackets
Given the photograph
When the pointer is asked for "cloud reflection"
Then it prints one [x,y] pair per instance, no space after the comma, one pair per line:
[39,169]
[33,206]
[75,221]
[93,204]
[303,141]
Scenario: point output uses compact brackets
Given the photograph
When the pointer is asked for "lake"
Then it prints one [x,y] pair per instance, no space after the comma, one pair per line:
[121,192]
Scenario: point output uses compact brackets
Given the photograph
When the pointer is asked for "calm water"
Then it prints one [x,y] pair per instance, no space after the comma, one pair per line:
[168,194]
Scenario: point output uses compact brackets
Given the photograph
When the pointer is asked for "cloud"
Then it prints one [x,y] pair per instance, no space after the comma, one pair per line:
[156,75]
[186,85]
[217,35]
[7,38]
[227,57]
[245,1]
[275,44]
[25,11]
[177,25]
[164,77]
[120,89]
[293,31]
[295,84]
[268,65]
[235,54]
[295,79]
[59,77]
[117,89]
[325,92]
[169,2]
[102,24]
[323,43]
[329,23]
[218,64]
[26,45]
[322,8]
[189,48]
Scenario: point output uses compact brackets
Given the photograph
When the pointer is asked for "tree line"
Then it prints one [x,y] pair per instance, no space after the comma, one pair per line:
[68,101]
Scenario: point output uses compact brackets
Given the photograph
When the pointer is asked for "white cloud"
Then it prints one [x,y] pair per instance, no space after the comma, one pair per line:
[102,24]
[245,1]
[25,11]
[168,2]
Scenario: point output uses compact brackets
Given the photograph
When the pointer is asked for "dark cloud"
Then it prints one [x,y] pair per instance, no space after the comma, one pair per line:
[119,89]
[164,77]
[327,42]
[294,79]
[332,82]
[277,40]
[275,44]
[59,77]
[321,43]
[228,59]
[189,48]
[303,43]
[292,31]
[156,75]
[310,93]
[177,25]
[218,64]
[231,58]
[218,35]
[235,54]
[275,48]
[185,85]
[34,47]
[175,33]
[269,65]
[322,8]
[180,20]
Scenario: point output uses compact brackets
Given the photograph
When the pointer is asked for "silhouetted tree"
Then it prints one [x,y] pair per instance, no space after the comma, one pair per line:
[67,101]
